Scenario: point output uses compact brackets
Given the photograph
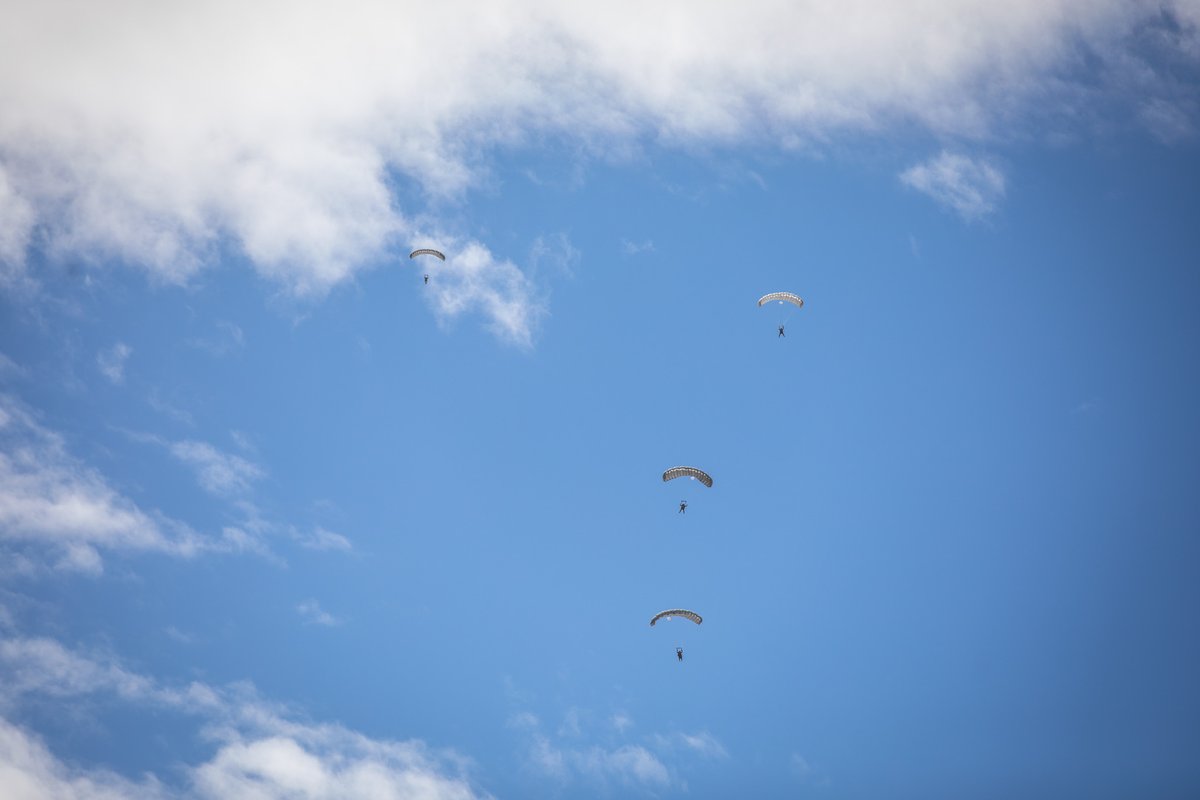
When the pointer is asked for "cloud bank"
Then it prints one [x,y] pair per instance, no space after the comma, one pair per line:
[260,750]
[162,135]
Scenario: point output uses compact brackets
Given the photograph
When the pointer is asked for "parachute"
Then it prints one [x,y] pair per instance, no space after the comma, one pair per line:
[425,251]
[783,297]
[689,472]
[677,612]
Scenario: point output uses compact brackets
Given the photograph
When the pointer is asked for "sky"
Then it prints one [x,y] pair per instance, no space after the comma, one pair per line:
[279,519]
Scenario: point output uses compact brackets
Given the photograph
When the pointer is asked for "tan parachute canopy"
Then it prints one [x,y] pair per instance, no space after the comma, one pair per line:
[688,472]
[677,612]
[783,297]
[425,251]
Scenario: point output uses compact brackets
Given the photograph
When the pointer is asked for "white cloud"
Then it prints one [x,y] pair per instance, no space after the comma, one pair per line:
[52,501]
[626,764]
[631,248]
[228,338]
[313,614]
[570,724]
[218,472]
[321,539]
[473,280]
[1166,120]
[553,252]
[111,362]
[630,763]
[179,636]
[17,219]
[524,721]
[806,773]
[10,367]
[64,514]
[326,765]
[243,442]
[30,771]
[45,667]
[702,743]
[167,409]
[132,143]
[970,187]
[621,721]
[232,477]
[261,752]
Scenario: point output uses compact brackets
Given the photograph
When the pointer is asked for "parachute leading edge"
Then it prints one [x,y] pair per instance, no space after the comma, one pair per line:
[677,612]
[689,472]
[783,297]
[426,251]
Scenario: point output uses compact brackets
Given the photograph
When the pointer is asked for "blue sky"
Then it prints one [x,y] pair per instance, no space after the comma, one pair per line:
[279,520]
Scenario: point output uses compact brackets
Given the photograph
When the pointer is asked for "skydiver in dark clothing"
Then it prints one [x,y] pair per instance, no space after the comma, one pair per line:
[781,333]
[679,653]
[683,506]
[426,280]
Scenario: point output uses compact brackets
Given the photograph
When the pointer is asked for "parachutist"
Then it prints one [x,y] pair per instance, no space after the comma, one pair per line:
[426,251]
[679,653]
[683,506]
[781,333]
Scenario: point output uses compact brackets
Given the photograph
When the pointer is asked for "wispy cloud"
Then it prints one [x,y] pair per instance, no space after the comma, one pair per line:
[806,773]
[970,187]
[320,539]
[570,724]
[51,500]
[627,764]
[227,339]
[218,472]
[61,514]
[259,749]
[572,754]
[702,743]
[621,721]
[111,362]
[553,253]
[10,367]
[179,636]
[17,220]
[32,772]
[261,527]
[631,248]
[472,280]
[167,409]
[313,614]
[1169,122]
